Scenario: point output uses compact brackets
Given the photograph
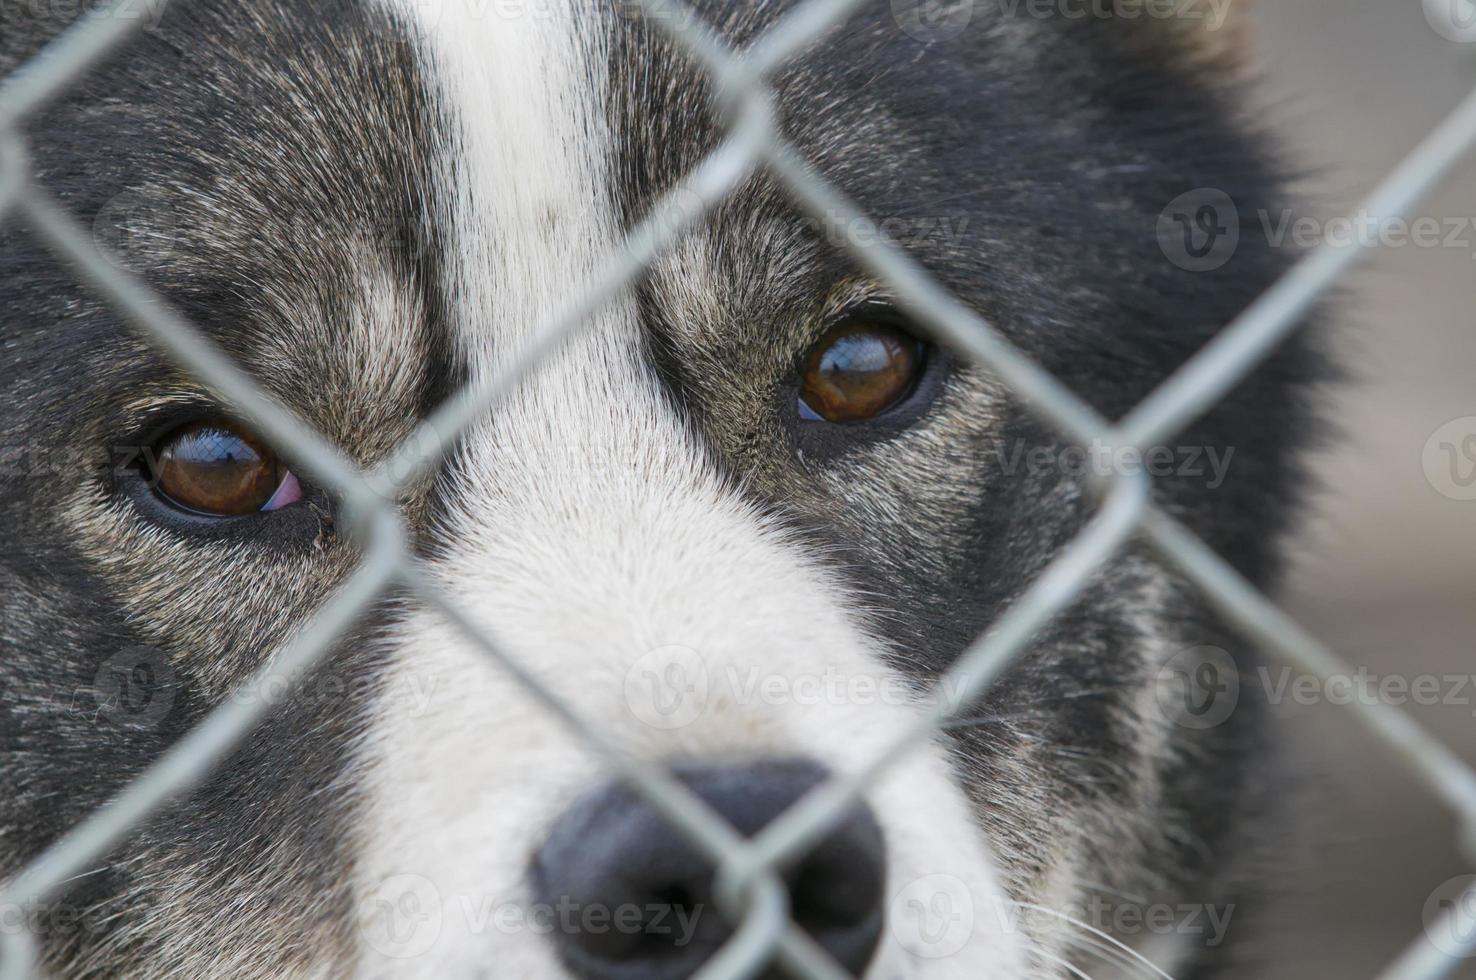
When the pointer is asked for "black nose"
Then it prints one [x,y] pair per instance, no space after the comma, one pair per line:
[632,900]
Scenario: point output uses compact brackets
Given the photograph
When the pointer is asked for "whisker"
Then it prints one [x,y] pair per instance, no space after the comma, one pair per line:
[1068,966]
[1104,954]
[1094,947]
[1135,957]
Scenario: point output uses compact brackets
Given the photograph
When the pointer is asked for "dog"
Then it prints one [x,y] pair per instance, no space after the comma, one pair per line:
[741,522]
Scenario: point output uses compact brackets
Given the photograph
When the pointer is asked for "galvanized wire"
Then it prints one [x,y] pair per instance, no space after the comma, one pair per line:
[751,892]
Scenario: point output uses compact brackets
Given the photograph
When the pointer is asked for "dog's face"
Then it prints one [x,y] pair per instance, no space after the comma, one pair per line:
[740,523]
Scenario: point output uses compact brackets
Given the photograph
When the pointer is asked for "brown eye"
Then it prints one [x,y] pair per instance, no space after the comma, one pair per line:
[219,469]
[859,370]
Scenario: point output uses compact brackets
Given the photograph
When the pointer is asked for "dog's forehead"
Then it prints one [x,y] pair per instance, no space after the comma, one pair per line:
[365,201]
[368,201]
[565,126]
[521,179]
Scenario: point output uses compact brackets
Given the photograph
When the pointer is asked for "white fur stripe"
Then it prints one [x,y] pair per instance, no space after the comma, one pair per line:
[584,527]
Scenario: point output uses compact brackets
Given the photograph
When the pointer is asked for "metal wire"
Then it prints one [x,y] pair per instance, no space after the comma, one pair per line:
[750,892]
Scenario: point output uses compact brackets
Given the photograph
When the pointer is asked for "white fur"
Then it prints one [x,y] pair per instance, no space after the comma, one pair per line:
[590,535]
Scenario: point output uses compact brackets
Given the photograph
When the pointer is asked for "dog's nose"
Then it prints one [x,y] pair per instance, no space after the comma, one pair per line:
[633,900]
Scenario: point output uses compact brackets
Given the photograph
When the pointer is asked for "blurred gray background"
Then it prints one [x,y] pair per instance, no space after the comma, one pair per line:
[1386,567]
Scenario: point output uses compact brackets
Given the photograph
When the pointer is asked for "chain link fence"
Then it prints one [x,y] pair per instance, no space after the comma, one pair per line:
[750,890]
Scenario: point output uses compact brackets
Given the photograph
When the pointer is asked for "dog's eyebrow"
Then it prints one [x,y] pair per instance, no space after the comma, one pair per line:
[182,394]
[851,292]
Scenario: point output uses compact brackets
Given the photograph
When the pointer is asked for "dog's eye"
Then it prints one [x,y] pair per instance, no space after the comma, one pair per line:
[858,370]
[219,469]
